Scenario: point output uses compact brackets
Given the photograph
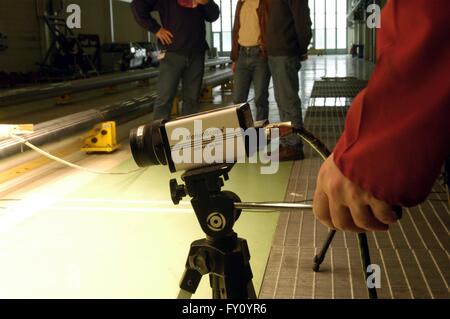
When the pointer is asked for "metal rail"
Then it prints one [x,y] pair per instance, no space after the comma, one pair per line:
[41,92]
[272,206]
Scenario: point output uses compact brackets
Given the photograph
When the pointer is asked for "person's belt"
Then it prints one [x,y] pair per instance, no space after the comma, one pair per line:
[249,49]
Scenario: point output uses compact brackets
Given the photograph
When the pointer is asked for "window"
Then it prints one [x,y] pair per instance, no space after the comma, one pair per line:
[222,28]
[329,19]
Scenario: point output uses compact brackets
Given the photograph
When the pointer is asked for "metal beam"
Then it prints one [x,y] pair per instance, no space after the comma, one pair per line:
[24,95]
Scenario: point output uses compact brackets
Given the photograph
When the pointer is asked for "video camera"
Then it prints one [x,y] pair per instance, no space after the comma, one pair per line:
[214,137]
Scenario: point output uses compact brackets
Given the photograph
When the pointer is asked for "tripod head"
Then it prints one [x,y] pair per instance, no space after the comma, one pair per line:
[222,255]
[217,210]
[214,208]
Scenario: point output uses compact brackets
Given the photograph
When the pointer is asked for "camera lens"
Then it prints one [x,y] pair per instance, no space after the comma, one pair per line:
[147,145]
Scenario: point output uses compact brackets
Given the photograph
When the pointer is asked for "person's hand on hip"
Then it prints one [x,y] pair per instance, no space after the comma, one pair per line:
[164,36]
[340,204]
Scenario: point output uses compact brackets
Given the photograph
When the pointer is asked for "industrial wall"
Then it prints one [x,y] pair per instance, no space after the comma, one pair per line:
[94,18]
[125,27]
[20,23]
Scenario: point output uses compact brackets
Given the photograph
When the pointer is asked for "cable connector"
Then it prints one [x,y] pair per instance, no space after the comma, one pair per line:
[284,129]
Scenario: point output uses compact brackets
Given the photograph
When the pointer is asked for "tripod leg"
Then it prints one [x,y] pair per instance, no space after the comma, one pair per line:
[251,291]
[319,258]
[232,276]
[217,286]
[189,283]
[365,255]
[232,288]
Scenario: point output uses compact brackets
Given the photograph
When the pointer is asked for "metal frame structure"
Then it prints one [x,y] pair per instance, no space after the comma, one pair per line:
[64,42]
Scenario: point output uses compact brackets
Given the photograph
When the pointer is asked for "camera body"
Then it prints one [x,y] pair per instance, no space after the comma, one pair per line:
[200,140]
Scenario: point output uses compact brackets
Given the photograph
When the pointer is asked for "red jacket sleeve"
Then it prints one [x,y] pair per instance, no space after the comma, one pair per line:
[397,133]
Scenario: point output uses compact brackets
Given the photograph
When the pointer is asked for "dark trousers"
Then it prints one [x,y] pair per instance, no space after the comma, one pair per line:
[286,85]
[173,68]
[251,67]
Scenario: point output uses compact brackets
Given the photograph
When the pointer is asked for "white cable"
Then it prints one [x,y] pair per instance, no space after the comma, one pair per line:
[59,160]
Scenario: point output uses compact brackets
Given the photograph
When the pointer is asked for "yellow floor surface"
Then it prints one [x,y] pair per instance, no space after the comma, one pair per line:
[121,237]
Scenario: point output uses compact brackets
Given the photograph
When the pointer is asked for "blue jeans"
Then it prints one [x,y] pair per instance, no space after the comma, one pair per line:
[284,71]
[173,68]
[251,67]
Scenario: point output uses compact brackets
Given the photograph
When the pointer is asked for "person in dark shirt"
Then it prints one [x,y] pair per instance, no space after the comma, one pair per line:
[182,39]
[288,37]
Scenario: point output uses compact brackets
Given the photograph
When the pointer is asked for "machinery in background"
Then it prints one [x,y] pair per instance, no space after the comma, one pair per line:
[127,56]
[72,56]
[108,58]
[69,55]
[153,52]
[92,48]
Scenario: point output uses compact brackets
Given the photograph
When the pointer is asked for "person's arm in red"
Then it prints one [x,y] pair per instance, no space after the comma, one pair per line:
[397,133]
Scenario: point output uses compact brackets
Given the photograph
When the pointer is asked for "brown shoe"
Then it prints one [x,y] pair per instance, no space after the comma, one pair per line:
[291,154]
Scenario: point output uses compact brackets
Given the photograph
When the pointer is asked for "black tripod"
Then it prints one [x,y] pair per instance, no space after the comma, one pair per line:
[362,237]
[222,255]
[363,248]
[323,151]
